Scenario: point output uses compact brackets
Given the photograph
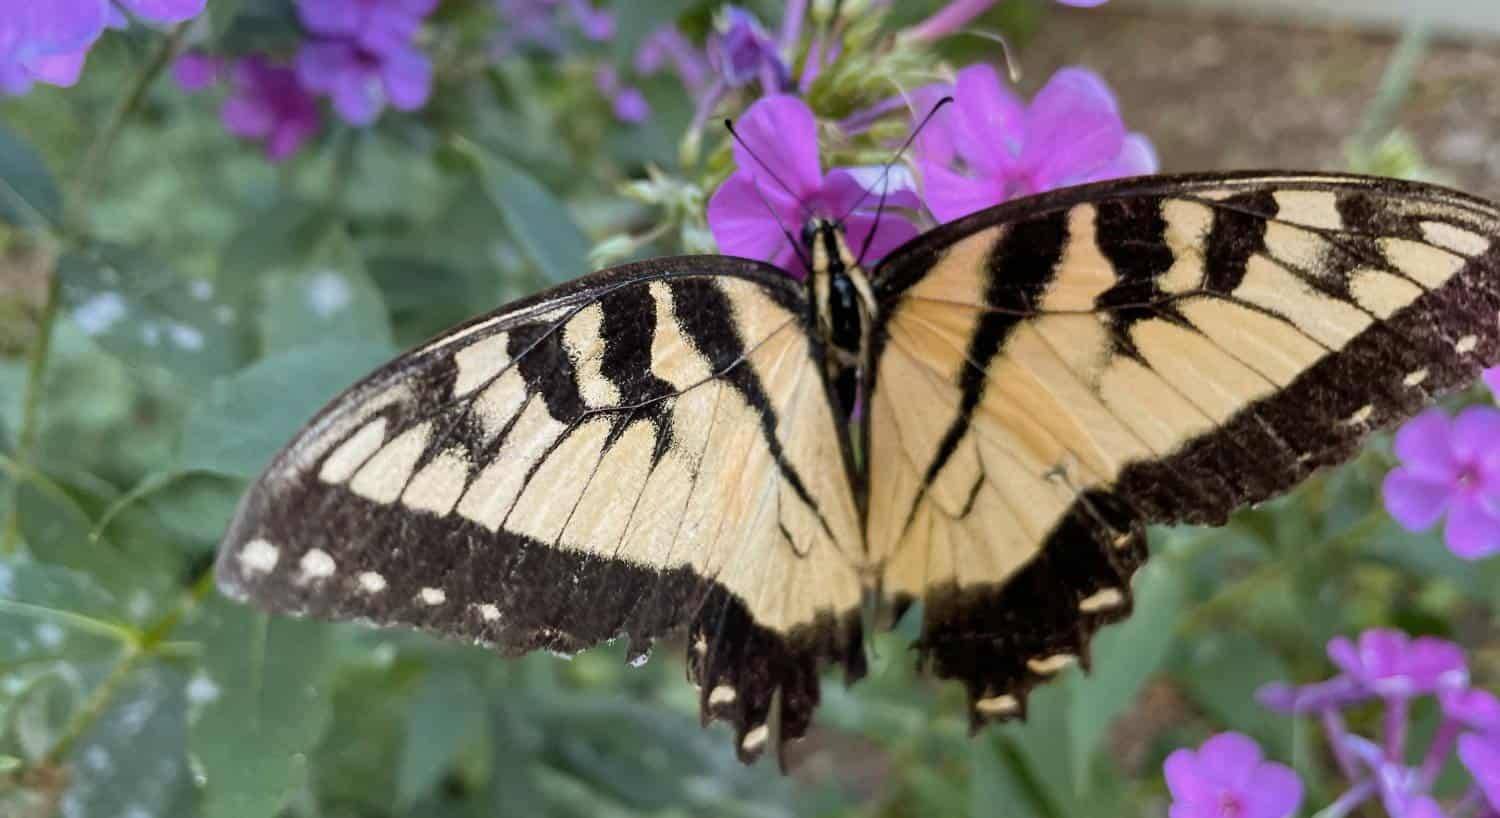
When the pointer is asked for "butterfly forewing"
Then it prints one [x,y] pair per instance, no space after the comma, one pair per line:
[648,450]
[1156,350]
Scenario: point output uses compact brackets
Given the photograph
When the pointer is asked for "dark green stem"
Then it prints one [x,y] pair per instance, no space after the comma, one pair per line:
[98,154]
[31,404]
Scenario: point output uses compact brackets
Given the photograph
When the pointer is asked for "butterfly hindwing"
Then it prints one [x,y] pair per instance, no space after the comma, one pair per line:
[1054,374]
[645,450]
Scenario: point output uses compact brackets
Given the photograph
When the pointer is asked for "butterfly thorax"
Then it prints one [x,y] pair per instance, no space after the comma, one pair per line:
[843,306]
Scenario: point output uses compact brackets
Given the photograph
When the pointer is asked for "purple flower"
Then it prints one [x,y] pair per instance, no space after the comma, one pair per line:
[1312,698]
[1228,778]
[1450,466]
[362,82]
[47,42]
[267,104]
[1492,379]
[748,212]
[990,146]
[667,44]
[740,51]
[1481,755]
[596,24]
[1391,664]
[195,71]
[164,11]
[536,23]
[629,103]
[376,26]
[1472,707]
[959,13]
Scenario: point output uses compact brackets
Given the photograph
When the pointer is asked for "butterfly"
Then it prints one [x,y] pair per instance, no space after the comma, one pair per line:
[985,422]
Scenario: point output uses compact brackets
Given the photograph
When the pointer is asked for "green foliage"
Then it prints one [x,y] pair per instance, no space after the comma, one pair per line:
[207,304]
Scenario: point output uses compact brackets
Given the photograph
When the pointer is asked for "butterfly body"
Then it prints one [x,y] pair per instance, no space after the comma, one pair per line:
[666,446]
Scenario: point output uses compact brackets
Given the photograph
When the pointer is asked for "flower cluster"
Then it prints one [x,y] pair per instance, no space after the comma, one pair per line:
[360,54]
[987,147]
[1227,776]
[48,42]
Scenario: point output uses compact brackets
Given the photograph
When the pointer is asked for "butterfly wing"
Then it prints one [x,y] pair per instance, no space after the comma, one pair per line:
[1057,372]
[647,449]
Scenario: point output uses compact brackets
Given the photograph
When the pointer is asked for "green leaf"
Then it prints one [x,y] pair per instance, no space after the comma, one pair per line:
[221,14]
[196,506]
[996,782]
[538,222]
[275,238]
[644,18]
[439,721]
[269,705]
[28,195]
[1124,657]
[1222,671]
[133,760]
[325,299]
[142,312]
[426,297]
[57,530]
[245,419]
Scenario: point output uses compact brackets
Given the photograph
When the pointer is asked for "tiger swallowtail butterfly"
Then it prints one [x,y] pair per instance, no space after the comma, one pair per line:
[674,445]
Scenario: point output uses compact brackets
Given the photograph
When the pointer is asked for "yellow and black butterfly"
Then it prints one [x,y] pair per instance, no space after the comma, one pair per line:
[667,445]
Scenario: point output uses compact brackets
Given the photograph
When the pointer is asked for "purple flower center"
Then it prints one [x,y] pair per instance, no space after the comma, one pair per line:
[1468,477]
[1230,805]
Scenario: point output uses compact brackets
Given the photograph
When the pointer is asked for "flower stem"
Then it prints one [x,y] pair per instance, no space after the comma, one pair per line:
[150,642]
[1396,709]
[947,20]
[31,404]
[1338,735]
[98,153]
[92,709]
[1350,801]
[1438,752]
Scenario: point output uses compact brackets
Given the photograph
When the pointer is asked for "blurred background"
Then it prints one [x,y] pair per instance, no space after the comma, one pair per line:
[174,304]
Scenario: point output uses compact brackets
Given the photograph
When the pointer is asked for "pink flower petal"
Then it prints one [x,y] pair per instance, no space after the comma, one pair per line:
[990,123]
[331,18]
[55,27]
[951,195]
[1417,503]
[1136,158]
[1072,128]
[1183,779]
[408,79]
[1472,531]
[894,231]
[742,224]
[1492,379]
[60,69]
[1422,443]
[1229,759]
[1482,756]
[1476,708]
[358,96]
[1274,791]
[165,11]
[1476,433]
[778,145]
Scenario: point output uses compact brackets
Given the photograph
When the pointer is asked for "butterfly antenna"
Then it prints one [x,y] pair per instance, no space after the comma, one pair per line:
[885,174]
[759,194]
